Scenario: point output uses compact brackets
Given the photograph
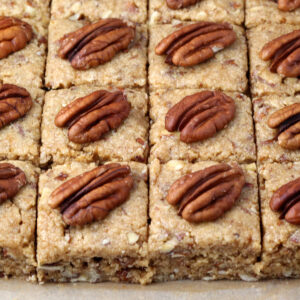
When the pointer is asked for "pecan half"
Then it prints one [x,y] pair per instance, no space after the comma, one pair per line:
[12,179]
[96,43]
[92,195]
[287,201]
[207,194]
[177,4]
[15,102]
[288,5]
[287,121]
[200,116]
[14,35]
[284,52]
[195,43]
[90,117]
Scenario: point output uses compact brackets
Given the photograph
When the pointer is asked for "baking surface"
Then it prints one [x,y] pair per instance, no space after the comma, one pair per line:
[232,290]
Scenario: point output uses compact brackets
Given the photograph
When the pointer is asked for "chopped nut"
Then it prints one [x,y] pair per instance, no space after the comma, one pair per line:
[106,242]
[132,238]
[168,246]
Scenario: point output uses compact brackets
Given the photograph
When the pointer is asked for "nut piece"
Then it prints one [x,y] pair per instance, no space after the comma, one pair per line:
[96,43]
[12,179]
[284,52]
[177,4]
[200,116]
[15,102]
[92,195]
[287,121]
[14,35]
[195,43]
[207,194]
[288,5]
[287,201]
[90,117]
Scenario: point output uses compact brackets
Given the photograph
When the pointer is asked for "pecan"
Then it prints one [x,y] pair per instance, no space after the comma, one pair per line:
[200,116]
[12,179]
[92,195]
[90,117]
[287,201]
[14,35]
[207,194]
[195,43]
[284,52]
[287,122]
[96,43]
[15,102]
[288,5]
[177,4]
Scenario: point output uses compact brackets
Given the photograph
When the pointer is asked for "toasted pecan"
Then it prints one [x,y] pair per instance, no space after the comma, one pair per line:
[14,35]
[200,116]
[288,5]
[287,201]
[95,44]
[90,117]
[15,102]
[12,179]
[284,53]
[207,194]
[195,43]
[177,4]
[287,122]
[92,195]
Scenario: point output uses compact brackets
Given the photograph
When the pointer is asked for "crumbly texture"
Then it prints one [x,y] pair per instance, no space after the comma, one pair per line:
[263,81]
[20,140]
[281,240]
[204,10]
[126,69]
[17,228]
[226,248]
[113,249]
[225,71]
[132,10]
[266,11]
[268,148]
[234,142]
[128,142]
[37,10]
[26,66]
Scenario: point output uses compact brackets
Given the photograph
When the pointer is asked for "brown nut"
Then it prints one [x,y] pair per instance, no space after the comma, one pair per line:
[284,52]
[207,194]
[12,179]
[90,117]
[14,35]
[288,5]
[15,102]
[195,43]
[177,4]
[287,201]
[96,43]
[287,121]
[92,195]
[200,116]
